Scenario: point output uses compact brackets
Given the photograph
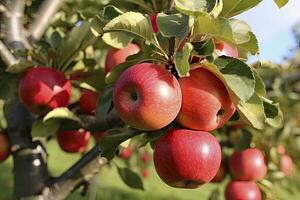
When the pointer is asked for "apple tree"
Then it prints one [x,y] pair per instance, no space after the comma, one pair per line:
[167,74]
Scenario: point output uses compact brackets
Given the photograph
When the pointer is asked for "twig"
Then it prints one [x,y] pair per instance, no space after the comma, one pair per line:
[8,58]
[43,18]
[172,39]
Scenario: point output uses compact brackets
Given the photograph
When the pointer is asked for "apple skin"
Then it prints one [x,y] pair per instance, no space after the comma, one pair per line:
[145,173]
[242,190]
[126,153]
[153,19]
[281,149]
[88,101]
[43,88]
[186,158]
[248,165]
[206,104]
[118,56]
[147,97]
[4,147]
[286,164]
[220,174]
[225,49]
[73,141]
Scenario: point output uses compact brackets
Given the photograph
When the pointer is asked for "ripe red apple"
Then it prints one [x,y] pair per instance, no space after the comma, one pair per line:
[220,174]
[286,164]
[225,49]
[153,19]
[206,104]
[73,141]
[187,159]
[147,97]
[88,101]
[281,149]
[43,88]
[118,56]
[4,147]
[242,190]
[248,165]
[126,153]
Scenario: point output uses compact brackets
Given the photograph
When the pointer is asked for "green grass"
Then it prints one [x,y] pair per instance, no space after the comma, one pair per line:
[108,185]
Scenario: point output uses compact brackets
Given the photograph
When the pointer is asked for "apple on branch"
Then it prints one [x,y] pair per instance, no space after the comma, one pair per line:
[73,141]
[286,164]
[147,97]
[4,147]
[88,101]
[224,49]
[206,104]
[242,190]
[186,158]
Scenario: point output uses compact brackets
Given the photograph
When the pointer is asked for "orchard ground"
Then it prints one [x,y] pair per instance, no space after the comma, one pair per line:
[108,185]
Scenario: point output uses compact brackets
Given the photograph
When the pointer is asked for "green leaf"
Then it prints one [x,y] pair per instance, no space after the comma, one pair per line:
[196,7]
[109,144]
[250,46]
[176,25]
[260,88]
[244,140]
[215,194]
[122,29]
[61,113]
[45,129]
[205,48]
[97,25]
[252,111]
[110,12]
[274,116]
[131,178]
[105,102]
[182,64]
[20,66]
[240,30]
[235,7]
[281,3]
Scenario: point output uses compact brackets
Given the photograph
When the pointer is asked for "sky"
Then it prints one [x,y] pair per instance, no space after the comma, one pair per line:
[272,27]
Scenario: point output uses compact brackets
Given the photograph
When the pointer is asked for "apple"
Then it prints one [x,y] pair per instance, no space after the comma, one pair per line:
[248,165]
[153,19]
[281,149]
[206,104]
[88,101]
[145,157]
[242,190]
[43,88]
[145,173]
[220,174]
[78,75]
[98,135]
[4,147]
[147,97]
[225,49]
[73,141]
[186,158]
[126,153]
[286,164]
[118,56]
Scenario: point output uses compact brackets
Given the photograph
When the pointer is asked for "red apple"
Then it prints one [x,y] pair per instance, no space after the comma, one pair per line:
[43,88]
[118,56]
[187,159]
[286,164]
[225,49]
[153,19]
[98,135]
[78,75]
[281,149]
[4,147]
[206,104]
[126,153]
[242,190]
[248,165]
[220,174]
[73,141]
[145,173]
[88,101]
[147,97]
[145,157]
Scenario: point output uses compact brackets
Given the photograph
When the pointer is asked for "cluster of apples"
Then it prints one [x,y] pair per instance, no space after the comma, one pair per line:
[4,147]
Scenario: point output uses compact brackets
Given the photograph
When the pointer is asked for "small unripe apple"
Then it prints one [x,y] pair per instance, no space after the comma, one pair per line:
[88,101]
[73,141]
[43,88]
[206,104]
[4,147]
[225,49]
[187,159]
[147,97]
[248,165]
[153,19]
[286,164]
[242,190]
[118,56]
[220,174]
[126,153]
